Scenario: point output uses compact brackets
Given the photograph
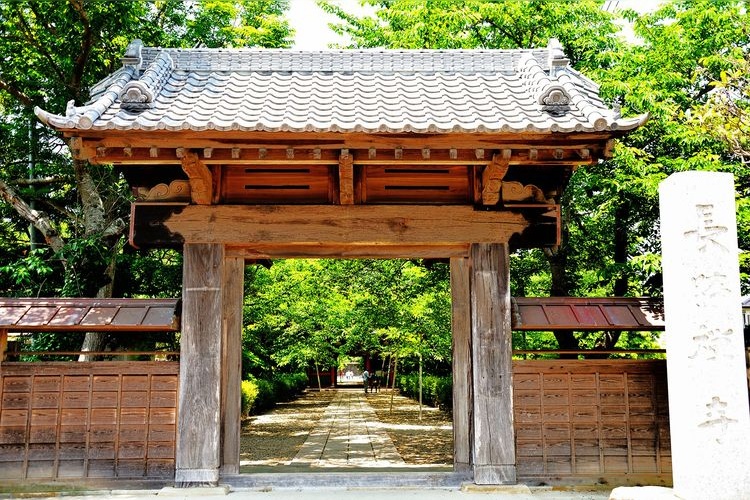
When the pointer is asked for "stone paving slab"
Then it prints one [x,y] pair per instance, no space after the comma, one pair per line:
[348,436]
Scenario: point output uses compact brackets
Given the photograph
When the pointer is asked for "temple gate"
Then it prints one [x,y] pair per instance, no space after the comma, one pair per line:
[241,155]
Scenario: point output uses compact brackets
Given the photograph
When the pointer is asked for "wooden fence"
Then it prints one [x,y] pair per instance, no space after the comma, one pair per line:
[590,420]
[86,420]
[575,420]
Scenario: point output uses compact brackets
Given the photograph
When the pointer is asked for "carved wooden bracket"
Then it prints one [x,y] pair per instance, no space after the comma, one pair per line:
[346,178]
[201,182]
[515,192]
[492,178]
[177,190]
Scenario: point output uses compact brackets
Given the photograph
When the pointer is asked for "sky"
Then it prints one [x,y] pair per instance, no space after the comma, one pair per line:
[311,23]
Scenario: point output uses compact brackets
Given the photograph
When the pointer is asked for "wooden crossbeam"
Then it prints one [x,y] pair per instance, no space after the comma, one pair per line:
[248,225]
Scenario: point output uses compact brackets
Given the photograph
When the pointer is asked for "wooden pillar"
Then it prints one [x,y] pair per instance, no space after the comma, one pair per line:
[493,446]
[462,373]
[198,420]
[3,343]
[231,355]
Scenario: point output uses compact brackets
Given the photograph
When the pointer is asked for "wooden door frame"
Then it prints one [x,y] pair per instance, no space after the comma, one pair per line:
[484,438]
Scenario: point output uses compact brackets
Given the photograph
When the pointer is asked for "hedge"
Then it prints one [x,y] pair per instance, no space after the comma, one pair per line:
[259,395]
[437,391]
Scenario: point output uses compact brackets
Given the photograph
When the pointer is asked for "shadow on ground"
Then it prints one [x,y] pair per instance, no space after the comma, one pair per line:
[270,441]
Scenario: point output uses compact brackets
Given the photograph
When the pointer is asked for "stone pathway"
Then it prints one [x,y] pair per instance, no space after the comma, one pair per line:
[348,435]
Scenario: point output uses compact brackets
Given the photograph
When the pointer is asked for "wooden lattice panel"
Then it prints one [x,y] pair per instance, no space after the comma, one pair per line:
[296,184]
[74,420]
[594,419]
[417,184]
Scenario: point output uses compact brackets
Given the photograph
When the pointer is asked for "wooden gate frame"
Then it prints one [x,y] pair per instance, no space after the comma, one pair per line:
[210,358]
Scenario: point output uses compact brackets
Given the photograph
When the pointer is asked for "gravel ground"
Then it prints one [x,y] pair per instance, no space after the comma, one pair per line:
[273,439]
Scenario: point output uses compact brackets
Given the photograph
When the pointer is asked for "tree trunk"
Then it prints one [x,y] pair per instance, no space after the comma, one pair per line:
[620,288]
[558,261]
[388,373]
[393,386]
[317,374]
[96,341]
[39,219]
[91,200]
[420,387]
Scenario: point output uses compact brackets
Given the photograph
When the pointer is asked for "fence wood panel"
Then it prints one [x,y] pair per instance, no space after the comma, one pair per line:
[76,420]
[606,420]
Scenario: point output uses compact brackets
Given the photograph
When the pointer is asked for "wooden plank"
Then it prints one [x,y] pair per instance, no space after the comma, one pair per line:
[321,224]
[3,343]
[462,373]
[198,428]
[417,183]
[294,184]
[90,140]
[493,433]
[351,251]
[346,178]
[231,373]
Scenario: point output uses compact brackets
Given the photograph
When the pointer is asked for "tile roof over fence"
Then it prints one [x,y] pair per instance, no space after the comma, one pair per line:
[370,91]
[587,313]
[88,315]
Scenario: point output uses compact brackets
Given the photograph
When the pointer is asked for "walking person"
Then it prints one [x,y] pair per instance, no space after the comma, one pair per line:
[365,379]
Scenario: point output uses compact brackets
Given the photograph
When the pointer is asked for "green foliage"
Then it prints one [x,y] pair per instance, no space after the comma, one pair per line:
[52,53]
[261,394]
[303,312]
[437,391]
[582,26]
[687,49]
[250,391]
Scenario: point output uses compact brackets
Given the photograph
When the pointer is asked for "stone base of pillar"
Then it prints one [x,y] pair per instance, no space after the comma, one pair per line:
[188,478]
[494,474]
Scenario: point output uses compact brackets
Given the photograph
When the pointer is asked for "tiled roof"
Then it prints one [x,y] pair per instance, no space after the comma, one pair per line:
[344,91]
[587,313]
[84,315]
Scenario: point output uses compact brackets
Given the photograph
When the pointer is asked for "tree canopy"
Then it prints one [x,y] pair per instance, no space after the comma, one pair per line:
[62,222]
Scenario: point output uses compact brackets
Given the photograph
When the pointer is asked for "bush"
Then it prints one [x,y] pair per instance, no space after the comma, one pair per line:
[249,395]
[259,395]
[436,391]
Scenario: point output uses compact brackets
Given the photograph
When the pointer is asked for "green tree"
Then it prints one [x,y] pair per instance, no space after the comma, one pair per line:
[52,53]
[610,235]
[726,117]
[314,312]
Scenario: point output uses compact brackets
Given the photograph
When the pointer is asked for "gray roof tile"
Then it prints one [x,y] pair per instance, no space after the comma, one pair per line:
[345,91]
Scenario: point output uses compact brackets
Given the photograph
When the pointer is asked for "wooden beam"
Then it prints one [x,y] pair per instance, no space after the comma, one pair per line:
[492,177]
[493,434]
[346,178]
[351,251]
[231,362]
[85,143]
[250,225]
[201,181]
[197,457]
[460,273]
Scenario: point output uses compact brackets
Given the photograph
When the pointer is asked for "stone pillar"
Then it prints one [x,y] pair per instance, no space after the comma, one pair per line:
[708,400]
